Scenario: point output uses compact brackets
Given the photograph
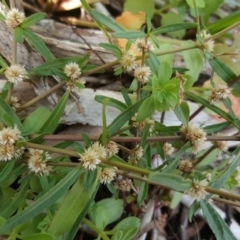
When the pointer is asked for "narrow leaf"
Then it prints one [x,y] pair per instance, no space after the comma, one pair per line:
[33,19]
[38,44]
[112,102]
[53,120]
[171,181]
[43,202]
[129,35]
[217,224]
[72,206]
[173,27]
[182,112]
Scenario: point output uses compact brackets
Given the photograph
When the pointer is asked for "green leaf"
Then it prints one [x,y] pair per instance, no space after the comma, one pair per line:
[9,207]
[112,102]
[53,120]
[116,50]
[172,18]
[234,163]
[128,226]
[3,63]
[55,64]
[223,71]
[2,18]
[126,97]
[177,196]
[106,21]
[143,191]
[215,109]
[43,202]
[170,180]
[182,112]
[216,223]
[146,110]
[129,35]
[6,170]
[164,72]
[36,120]
[33,19]
[199,3]
[114,208]
[104,137]
[86,139]
[18,34]
[153,63]
[209,7]
[125,116]
[173,27]
[193,59]
[38,43]
[39,236]
[6,109]
[193,210]
[75,227]
[135,6]
[72,206]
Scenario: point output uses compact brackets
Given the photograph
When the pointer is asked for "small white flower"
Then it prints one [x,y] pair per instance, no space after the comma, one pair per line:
[219,92]
[168,148]
[185,166]
[107,175]
[71,85]
[111,149]
[37,162]
[208,45]
[9,135]
[195,135]
[141,125]
[135,155]
[7,152]
[128,60]
[142,74]
[143,45]
[124,185]
[89,159]
[16,73]
[99,149]
[14,103]
[197,191]
[72,70]
[14,18]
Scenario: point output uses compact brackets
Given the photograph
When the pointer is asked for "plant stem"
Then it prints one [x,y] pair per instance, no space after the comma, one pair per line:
[225,201]
[135,139]
[95,229]
[203,156]
[223,193]
[40,97]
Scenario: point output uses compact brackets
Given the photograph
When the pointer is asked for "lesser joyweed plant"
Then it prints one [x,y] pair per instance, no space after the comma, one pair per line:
[49,192]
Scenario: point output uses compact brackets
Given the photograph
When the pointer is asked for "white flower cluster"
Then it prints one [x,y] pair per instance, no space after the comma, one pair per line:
[73,71]
[8,139]
[92,156]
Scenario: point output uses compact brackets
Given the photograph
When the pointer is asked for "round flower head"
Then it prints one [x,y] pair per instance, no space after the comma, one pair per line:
[71,85]
[143,45]
[124,185]
[168,148]
[207,45]
[9,135]
[128,60]
[14,103]
[37,162]
[135,155]
[99,149]
[185,166]
[195,135]
[141,125]
[89,159]
[14,18]
[111,149]
[219,92]
[142,74]
[7,152]
[197,191]
[107,175]
[72,70]
[16,73]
